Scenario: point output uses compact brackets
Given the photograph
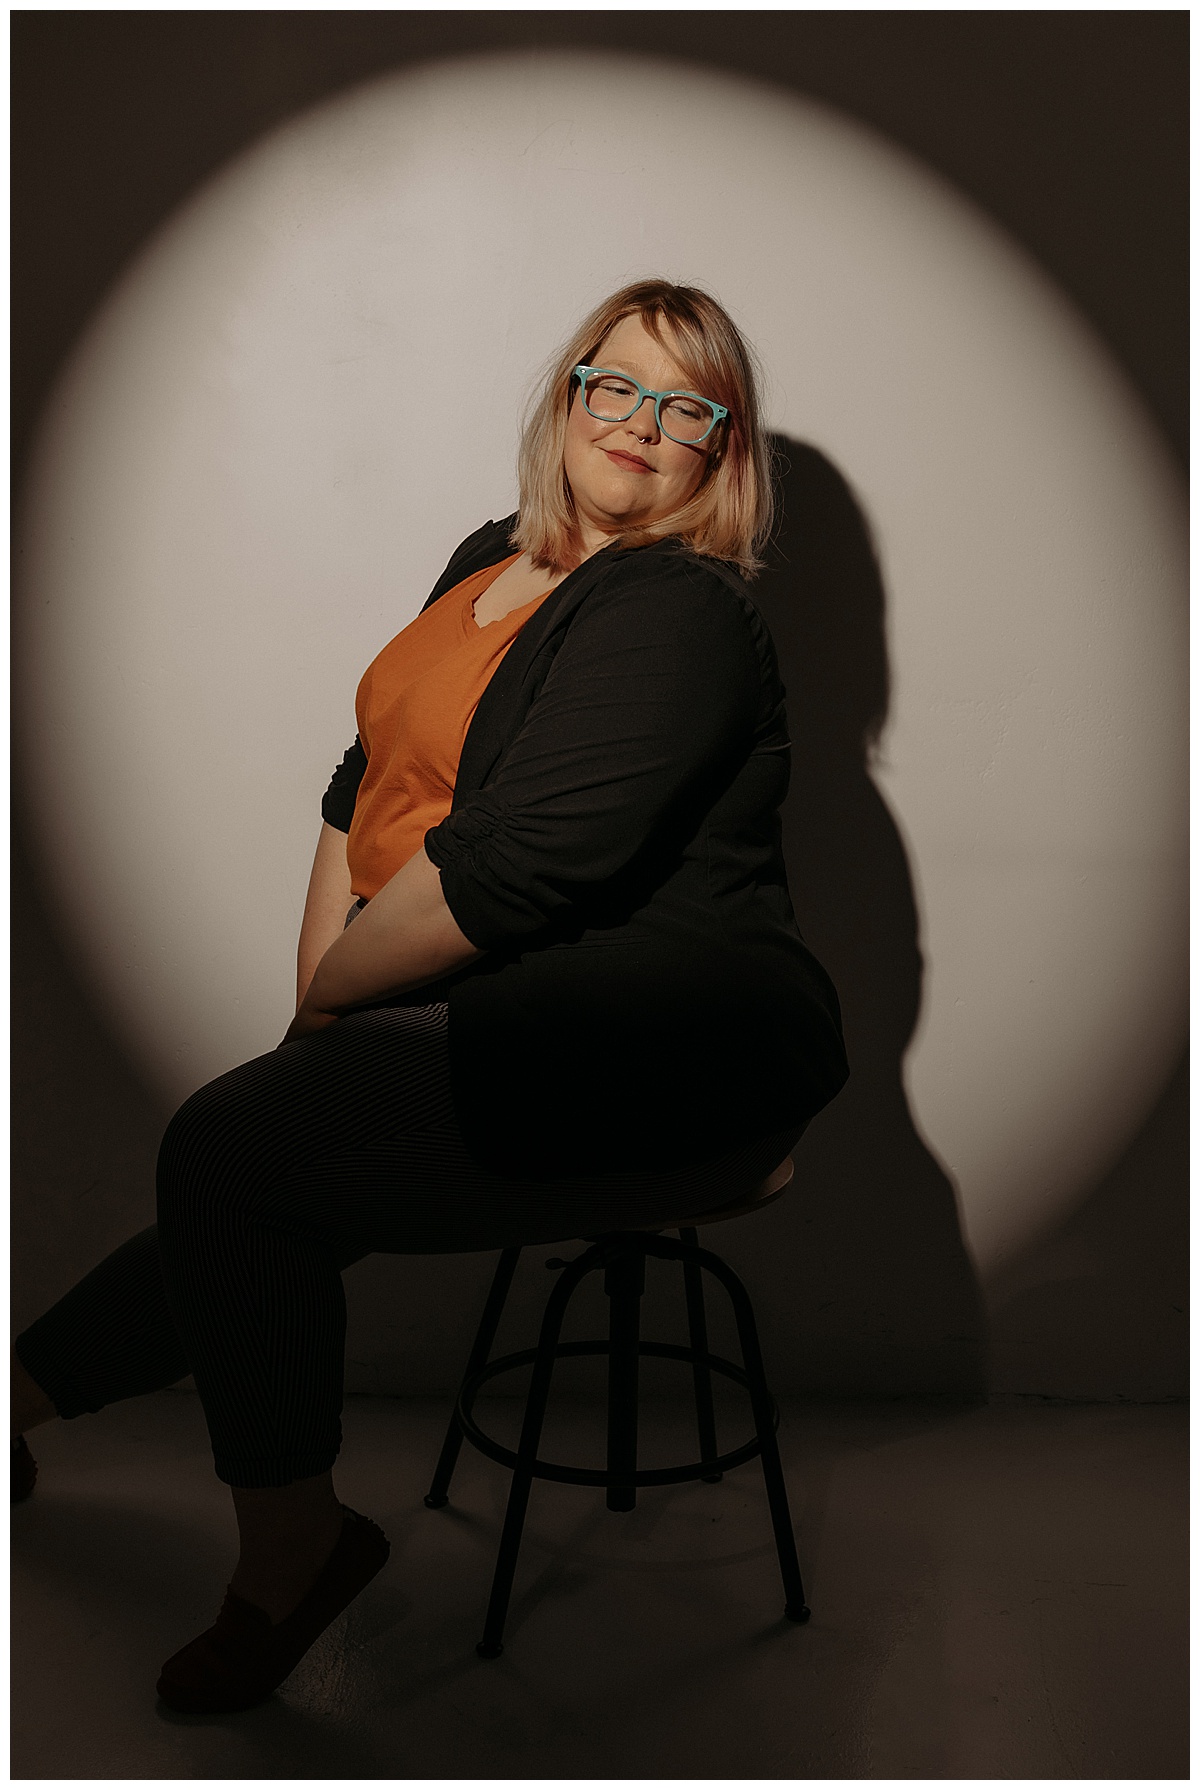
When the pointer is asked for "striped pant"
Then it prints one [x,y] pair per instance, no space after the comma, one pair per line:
[274,1178]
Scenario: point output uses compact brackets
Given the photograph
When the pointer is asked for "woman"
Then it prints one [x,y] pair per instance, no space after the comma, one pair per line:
[573,997]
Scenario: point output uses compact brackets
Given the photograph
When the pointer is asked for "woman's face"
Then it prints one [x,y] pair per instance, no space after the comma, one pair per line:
[622,474]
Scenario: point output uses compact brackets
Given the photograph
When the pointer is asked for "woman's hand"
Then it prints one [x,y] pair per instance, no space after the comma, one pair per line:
[404,937]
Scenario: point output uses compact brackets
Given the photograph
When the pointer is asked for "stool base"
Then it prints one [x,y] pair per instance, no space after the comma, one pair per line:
[622,1256]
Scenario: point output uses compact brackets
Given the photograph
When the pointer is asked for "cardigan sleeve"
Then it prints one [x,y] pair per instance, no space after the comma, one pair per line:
[652,698]
[337,804]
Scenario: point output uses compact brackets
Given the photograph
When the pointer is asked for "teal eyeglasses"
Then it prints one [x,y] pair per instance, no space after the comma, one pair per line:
[612,397]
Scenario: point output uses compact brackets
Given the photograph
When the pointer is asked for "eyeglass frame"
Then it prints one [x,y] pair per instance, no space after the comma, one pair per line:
[719,411]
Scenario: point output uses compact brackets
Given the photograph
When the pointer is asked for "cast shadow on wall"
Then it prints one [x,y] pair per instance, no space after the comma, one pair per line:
[879,1293]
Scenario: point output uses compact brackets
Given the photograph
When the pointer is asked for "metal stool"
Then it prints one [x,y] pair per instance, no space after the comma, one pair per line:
[622,1255]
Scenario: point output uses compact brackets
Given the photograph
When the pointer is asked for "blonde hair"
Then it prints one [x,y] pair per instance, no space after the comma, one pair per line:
[729,517]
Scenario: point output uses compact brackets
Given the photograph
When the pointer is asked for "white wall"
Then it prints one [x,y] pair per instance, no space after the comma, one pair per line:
[306,391]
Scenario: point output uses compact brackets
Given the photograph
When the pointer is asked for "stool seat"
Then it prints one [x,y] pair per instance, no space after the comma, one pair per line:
[760,1196]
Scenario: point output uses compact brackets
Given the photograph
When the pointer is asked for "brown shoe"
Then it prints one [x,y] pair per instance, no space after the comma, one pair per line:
[24,1471]
[245,1656]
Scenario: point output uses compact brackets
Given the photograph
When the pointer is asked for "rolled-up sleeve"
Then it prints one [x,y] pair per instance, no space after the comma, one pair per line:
[652,698]
[337,804]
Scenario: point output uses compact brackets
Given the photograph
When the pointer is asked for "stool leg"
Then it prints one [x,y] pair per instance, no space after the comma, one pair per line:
[624,1283]
[763,1408]
[438,1494]
[706,1422]
[522,1479]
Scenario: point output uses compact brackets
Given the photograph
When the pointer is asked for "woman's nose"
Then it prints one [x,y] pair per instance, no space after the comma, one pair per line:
[642,422]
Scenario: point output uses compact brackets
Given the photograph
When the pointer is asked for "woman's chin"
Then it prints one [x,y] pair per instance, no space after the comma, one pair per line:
[615,515]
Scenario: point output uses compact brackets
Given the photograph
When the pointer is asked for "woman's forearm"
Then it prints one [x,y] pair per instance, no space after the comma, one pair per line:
[325,907]
[405,936]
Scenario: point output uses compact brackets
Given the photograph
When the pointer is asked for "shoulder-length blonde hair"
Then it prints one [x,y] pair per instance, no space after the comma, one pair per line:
[729,516]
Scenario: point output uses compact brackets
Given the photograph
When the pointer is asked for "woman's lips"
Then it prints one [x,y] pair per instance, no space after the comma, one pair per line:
[631,460]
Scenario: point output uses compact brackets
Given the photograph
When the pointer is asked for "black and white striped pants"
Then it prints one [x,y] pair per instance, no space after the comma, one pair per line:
[275,1177]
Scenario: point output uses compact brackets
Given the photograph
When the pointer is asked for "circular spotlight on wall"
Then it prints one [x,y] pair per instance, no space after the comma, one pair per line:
[306,391]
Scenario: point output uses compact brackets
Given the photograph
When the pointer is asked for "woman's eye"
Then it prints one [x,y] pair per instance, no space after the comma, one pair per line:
[619,388]
[685,410]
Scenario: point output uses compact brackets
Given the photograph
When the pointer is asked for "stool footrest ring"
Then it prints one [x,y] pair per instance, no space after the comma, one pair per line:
[601,1476]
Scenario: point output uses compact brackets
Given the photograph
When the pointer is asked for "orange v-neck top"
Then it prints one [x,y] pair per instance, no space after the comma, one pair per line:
[414,705]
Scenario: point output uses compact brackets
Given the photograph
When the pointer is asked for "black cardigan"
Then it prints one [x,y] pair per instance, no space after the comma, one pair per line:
[614,844]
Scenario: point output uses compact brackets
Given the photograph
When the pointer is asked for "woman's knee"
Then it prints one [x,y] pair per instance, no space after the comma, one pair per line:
[204,1157]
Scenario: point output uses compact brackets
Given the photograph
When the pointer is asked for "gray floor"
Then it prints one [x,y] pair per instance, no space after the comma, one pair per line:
[996,1593]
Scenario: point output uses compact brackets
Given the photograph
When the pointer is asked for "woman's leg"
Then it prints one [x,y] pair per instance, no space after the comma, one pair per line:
[256,1276]
[111,1337]
[344,1151]
[28,1404]
[252,1247]
[285,1535]
[271,1180]
[252,1266]
[276,1175]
